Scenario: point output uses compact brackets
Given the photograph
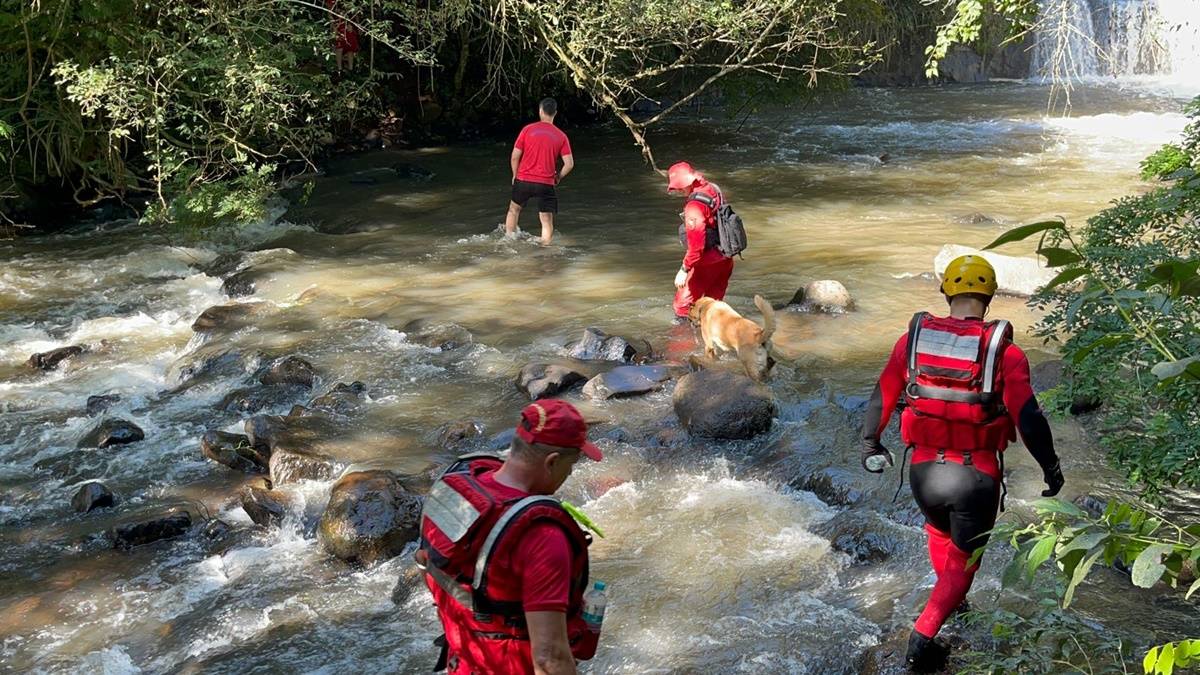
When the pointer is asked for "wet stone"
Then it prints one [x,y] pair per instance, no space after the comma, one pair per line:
[51,359]
[443,336]
[235,451]
[834,486]
[168,526]
[456,433]
[240,285]
[825,295]
[98,404]
[626,381]
[863,536]
[343,399]
[112,432]
[262,430]
[250,400]
[216,529]
[92,495]
[370,517]
[290,370]
[596,345]
[290,466]
[265,507]
[723,405]
[229,317]
[540,380]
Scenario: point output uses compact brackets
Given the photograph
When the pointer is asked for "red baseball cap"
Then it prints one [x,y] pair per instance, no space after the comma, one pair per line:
[681,176]
[554,422]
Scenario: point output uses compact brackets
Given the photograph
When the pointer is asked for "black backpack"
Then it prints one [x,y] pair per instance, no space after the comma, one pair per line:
[729,236]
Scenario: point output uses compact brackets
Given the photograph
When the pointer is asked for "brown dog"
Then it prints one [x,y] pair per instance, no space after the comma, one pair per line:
[724,330]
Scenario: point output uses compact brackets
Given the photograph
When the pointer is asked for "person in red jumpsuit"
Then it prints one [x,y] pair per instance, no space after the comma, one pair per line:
[345,37]
[705,270]
[966,393]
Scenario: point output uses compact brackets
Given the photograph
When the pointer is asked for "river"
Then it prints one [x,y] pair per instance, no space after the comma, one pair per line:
[716,556]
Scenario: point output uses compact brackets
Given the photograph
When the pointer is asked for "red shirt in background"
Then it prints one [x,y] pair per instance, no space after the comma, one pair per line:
[538,573]
[541,144]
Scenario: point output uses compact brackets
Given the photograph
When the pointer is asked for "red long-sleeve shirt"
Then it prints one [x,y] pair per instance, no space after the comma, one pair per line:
[697,219]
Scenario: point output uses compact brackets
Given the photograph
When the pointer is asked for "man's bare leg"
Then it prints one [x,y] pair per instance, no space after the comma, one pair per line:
[547,219]
[510,220]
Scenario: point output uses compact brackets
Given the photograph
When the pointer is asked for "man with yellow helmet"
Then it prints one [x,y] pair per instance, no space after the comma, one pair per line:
[966,394]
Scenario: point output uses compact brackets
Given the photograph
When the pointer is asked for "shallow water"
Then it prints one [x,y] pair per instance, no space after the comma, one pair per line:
[712,554]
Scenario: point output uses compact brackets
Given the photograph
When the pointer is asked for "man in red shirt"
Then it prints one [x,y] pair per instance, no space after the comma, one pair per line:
[966,395]
[506,564]
[705,270]
[535,171]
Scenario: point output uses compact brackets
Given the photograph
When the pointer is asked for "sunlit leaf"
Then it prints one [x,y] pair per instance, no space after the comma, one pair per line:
[1077,577]
[1167,370]
[1051,505]
[1148,567]
[1040,553]
[1065,276]
[1026,231]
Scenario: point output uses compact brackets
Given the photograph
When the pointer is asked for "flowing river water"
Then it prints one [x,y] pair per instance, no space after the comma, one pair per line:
[718,558]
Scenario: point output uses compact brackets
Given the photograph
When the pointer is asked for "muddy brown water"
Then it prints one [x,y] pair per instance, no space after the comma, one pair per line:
[718,558]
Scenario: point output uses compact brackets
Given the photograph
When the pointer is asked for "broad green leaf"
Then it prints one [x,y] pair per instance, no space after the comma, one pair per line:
[1081,572]
[1168,370]
[1066,276]
[1026,231]
[1058,257]
[1166,659]
[1150,660]
[1040,553]
[1192,589]
[1084,542]
[1106,341]
[1148,567]
[1051,505]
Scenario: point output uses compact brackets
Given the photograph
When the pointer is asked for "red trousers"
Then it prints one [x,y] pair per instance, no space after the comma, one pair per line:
[706,279]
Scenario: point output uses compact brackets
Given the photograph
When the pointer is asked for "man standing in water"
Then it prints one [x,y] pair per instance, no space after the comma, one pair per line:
[507,565]
[966,394]
[535,171]
[705,270]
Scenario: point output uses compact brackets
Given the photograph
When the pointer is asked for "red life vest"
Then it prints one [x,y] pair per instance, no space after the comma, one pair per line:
[464,527]
[709,197]
[953,392]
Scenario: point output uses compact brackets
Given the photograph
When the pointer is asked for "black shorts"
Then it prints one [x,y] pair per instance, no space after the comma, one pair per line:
[546,195]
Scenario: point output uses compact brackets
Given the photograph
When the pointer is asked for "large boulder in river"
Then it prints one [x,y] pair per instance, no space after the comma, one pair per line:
[723,405]
[235,451]
[370,517]
[1015,275]
[626,381]
[290,465]
[265,507]
[92,495]
[50,360]
[167,526]
[596,345]
[111,432]
[342,399]
[229,317]
[540,380]
[823,295]
[98,404]
[290,370]
[254,399]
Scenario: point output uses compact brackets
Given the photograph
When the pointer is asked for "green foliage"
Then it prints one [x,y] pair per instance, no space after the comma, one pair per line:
[198,208]
[985,23]
[1163,660]
[1165,161]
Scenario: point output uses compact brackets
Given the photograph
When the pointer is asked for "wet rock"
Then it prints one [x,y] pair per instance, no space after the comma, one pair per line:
[626,381]
[111,432]
[443,336]
[862,536]
[833,485]
[888,657]
[297,411]
[293,465]
[723,405]
[290,370]
[216,529]
[92,495]
[825,295]
[167,526]
[229,317]
[263,430]
[407,581]
[596,345]
[206,367]
[975,218]
[1015,275]
[342,399]
[370,517]
[98,404]
[249,400]
[230,263]
[963,65]
[240,285]
[265,507]
[456,433]
[51,359]
[1094,505]
[412,172]
[540,380]
[235,451]
[1047,375]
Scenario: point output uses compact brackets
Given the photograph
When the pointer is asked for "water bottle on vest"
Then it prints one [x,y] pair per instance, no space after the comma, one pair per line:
[594,603]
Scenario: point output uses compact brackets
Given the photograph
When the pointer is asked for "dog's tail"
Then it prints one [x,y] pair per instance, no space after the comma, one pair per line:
[768,313]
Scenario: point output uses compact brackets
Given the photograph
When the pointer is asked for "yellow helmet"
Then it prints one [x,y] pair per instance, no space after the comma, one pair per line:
[969,274]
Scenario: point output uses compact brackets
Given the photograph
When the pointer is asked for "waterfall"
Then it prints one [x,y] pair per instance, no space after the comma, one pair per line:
[1117,38]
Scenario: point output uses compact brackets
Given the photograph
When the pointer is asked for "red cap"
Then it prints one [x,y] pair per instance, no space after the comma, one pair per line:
[681,176]
[554,422]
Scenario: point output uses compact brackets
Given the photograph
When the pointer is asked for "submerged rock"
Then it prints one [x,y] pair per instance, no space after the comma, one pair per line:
[293,465]
[456,433]
[443,336]
[98,404]
[249,400]
[412,172]
[976,218]
[835,486]
[370,517]
[1015,275]
[861,535]
[540,380]
[342,399]
[265,507]
[167,526]
[111,432]
[626,381]
[235,451]
[825,295]
[92,495]
[229,317]
[723,405]
[596,345]
[262,430]
[290,370]
[50,360]
[241,284]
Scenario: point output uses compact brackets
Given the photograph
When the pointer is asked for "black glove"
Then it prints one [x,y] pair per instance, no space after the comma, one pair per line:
[1054,480]
[875,457]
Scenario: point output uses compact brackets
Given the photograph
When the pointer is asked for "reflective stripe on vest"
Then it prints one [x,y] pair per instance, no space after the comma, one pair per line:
[932,342]
[989,365]
[450,511]
[949,345]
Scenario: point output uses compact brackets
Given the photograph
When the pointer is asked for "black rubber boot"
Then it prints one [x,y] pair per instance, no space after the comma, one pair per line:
[925,655]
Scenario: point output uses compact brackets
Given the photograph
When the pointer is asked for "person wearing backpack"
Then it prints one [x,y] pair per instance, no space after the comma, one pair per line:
[506,563]
[712,233]
[964,390]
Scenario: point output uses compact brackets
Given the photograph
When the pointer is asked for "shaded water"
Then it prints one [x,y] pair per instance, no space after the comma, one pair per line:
[713,555]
